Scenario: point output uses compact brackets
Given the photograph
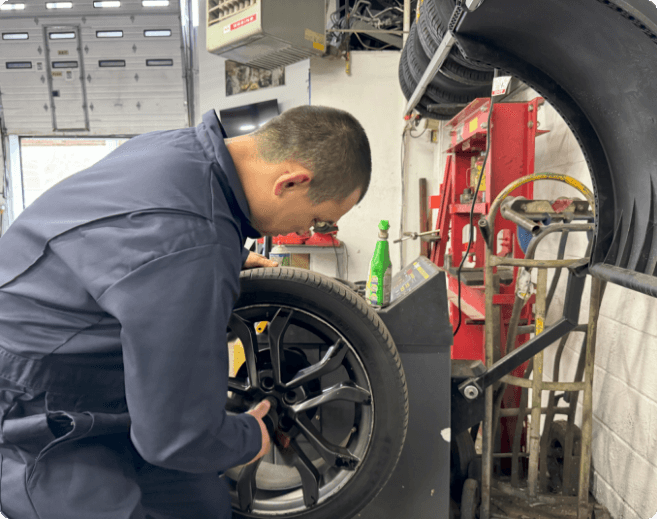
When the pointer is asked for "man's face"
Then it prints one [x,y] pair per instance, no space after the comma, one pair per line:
[294,212]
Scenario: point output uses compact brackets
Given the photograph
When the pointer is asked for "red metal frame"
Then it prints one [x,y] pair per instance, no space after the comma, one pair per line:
[514,127]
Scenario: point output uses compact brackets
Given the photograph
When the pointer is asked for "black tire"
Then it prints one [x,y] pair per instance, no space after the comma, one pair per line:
[555,456]
[408,86]
[336,307]
[434,17]
[475,470]
[462,454]
[448,89]
[470,499]
[429,37]
[439,113]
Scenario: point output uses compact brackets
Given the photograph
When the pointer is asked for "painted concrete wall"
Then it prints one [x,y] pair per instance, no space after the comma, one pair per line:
[372,94]
[421,162]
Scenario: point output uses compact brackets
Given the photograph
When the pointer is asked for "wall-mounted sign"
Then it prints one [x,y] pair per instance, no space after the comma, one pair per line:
[242,78]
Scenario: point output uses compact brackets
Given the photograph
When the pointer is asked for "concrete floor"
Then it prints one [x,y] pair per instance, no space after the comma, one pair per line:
[505,506]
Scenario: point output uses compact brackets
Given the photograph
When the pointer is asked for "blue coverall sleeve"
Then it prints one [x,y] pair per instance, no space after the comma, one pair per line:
[245,254]
[173,313]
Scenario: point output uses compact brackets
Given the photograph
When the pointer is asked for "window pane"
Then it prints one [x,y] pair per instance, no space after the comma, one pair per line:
[159,62]
[15,36]
[64,64]
[61,35]
[157,33]
[19,64]
[111,63]
[46,161]
[109,34]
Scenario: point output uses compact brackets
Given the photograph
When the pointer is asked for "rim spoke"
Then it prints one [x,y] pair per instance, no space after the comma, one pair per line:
[276,330]
[334,455]
[330,362]
[343,391]
[237,386]
[309,475]
[246,486]
[247,334]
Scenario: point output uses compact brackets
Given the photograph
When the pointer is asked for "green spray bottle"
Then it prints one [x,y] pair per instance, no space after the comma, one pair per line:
[379,277]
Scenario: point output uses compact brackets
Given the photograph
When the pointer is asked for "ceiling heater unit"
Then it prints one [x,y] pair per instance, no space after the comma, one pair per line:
[266,33]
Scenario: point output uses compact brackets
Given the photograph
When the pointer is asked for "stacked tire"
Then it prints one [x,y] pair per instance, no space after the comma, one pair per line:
[457,82]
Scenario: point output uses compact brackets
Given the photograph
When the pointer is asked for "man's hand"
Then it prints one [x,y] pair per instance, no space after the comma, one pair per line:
[256,260]
[259,412]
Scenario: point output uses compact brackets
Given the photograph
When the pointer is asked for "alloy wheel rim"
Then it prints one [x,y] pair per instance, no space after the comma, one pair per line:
[324,409]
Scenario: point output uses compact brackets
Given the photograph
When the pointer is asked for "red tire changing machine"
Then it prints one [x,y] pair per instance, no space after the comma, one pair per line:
[511,157]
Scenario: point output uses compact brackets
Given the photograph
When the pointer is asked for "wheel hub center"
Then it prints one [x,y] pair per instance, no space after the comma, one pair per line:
[285,397]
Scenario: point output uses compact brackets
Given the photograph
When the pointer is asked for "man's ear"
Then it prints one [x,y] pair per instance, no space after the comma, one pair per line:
[290,180]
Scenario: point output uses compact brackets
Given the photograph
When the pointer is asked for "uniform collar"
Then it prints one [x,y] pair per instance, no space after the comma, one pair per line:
[214,134]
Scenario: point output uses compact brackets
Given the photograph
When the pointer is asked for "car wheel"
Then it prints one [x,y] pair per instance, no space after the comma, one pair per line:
[329,363]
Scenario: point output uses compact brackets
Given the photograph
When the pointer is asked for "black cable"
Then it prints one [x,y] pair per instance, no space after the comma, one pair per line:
[369,47]
[417,136]
[337,259]
[403,194]
[472,208]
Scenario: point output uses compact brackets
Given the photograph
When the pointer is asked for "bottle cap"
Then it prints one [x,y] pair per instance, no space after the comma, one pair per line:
[384,225]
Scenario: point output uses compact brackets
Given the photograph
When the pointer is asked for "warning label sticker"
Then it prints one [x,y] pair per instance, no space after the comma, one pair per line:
[501,85]
[240,23]
[318,40]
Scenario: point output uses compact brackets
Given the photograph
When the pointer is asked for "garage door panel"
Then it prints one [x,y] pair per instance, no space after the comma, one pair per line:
[33,111]
[25,95]
[120,92]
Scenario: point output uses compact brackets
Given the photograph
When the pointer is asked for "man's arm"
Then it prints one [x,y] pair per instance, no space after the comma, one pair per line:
[173,312]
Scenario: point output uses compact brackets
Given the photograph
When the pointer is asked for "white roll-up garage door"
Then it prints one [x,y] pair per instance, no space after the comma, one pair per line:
[85,67]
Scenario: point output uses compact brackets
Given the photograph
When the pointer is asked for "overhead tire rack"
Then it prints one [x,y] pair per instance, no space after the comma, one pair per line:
[452,81]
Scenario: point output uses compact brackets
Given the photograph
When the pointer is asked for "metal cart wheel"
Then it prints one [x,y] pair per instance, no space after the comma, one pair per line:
[556,453]
[470,499]
[330,365]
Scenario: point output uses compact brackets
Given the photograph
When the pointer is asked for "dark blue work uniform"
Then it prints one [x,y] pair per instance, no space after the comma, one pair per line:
[116,286]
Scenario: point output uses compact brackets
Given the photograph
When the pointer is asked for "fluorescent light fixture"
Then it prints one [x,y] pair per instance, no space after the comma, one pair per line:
[64,64]
[247,127]
[159,62]
[12,7]
[59,5]
[61,35]
[111,63]
[109,34]
[107,3]
[155,3]
[15,36]
[157,33]
[18,64]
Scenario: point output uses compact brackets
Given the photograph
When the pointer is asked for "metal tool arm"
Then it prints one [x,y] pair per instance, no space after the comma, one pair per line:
[474,387]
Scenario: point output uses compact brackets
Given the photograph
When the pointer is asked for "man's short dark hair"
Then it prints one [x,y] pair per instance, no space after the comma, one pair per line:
[329,142]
